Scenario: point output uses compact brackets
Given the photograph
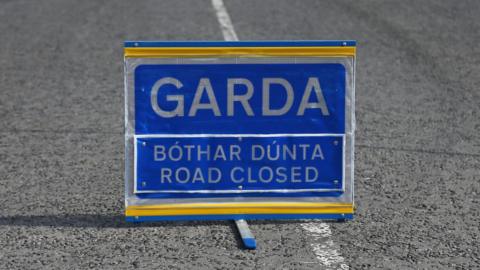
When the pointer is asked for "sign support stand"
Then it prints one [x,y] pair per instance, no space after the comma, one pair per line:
[247,237]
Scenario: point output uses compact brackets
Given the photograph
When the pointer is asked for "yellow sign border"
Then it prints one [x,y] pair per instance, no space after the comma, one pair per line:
[162,52]
[239,208]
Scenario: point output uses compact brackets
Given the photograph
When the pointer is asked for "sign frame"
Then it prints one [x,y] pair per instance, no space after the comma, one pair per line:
[145,208]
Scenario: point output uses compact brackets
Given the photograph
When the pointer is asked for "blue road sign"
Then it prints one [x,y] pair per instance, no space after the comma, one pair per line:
[240,98]
[249,164]
[217,129]
[239,130]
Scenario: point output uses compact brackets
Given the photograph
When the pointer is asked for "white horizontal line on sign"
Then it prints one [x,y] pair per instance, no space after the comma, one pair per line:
[237,135]
[227,191]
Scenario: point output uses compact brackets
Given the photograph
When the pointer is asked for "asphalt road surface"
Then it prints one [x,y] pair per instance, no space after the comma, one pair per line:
[417,174]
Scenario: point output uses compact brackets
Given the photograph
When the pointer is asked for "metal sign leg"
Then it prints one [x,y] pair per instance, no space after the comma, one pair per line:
[247,236]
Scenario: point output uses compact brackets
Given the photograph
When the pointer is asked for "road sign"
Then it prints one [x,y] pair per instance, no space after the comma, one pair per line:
[222,130]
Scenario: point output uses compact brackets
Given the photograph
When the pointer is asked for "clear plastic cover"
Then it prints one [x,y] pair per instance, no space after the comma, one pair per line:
[133,198]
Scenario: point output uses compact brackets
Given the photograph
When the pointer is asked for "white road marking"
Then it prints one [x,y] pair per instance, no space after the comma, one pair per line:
[323,246]
[224,19]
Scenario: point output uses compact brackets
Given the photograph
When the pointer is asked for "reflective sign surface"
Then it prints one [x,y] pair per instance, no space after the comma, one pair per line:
[220,131]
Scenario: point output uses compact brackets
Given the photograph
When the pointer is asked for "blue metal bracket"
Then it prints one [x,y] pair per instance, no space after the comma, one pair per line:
[247,236]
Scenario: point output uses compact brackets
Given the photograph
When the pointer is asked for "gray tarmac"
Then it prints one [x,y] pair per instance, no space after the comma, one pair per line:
[417,175]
